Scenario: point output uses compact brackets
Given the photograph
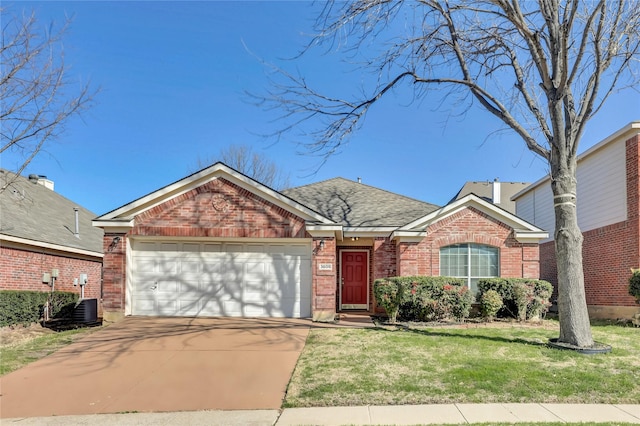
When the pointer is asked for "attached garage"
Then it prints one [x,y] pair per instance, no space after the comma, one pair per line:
[220,278]
[216,243]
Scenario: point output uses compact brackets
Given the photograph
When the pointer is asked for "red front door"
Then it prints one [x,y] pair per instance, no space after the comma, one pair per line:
[354,279]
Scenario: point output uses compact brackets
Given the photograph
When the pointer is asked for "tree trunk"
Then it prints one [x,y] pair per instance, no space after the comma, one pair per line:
[575,328]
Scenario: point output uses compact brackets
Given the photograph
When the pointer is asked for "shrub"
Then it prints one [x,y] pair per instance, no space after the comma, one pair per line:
[26,307]
[389,294]
[434,298]
[634,284]
[542,291]
[490,302]
[522,298]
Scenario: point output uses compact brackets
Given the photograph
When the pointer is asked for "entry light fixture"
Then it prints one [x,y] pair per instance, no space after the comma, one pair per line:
[321,244]
[355,238]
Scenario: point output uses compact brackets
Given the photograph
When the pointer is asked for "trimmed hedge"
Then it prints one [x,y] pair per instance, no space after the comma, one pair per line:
[523,298]
[26,307]
[634,284]
[423,298]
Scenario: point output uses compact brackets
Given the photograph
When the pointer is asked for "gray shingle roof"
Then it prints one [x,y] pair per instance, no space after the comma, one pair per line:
[355,204]
[33,212]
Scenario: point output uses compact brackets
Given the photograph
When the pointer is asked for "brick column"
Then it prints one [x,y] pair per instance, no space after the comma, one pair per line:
[324,299]
[114,275]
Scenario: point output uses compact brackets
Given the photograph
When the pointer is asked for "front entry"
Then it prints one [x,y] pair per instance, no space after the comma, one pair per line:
[354,279]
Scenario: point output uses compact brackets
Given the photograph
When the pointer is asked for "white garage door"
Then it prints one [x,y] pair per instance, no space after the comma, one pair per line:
[221,279]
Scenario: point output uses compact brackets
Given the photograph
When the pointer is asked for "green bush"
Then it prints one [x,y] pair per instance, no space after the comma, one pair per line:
[490,304]
[389,294]
[523,298]
[26,307]
[434,298]
[634,284]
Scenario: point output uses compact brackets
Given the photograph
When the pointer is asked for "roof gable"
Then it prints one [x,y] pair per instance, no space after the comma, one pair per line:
[35,215]
[355,204]
[124,215]
[524,231]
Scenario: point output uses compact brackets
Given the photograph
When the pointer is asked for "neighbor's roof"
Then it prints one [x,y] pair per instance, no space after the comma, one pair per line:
[355,204]
[484,190]
[34,214]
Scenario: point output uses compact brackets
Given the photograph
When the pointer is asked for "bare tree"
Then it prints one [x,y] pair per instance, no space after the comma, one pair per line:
[543,68]
[253,164]
[37,98]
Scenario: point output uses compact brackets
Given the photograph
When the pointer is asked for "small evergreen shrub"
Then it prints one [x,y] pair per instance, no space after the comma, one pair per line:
[490,304]
[523,298]
[389,294]
[634,284]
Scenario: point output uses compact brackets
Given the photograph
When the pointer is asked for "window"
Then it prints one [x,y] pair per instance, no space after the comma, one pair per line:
[469,261]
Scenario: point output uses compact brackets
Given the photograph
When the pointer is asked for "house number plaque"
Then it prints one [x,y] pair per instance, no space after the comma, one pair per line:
[325,266]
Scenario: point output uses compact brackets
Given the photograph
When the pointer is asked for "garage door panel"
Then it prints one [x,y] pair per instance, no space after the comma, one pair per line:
[228,279]
[190,266]
[146,265]
[167,307]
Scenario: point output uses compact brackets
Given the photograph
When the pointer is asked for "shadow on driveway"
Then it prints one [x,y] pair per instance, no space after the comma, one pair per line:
[146,364]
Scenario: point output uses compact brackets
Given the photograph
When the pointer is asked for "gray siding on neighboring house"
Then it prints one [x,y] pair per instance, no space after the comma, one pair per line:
[602,193]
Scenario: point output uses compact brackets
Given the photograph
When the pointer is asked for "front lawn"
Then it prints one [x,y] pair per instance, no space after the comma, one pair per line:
[473,363]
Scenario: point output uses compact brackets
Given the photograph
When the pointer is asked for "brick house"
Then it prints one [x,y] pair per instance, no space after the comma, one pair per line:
[42,231]
[608,214]
[219,243]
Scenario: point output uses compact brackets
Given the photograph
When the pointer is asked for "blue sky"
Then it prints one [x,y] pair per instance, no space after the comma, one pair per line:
[173,76]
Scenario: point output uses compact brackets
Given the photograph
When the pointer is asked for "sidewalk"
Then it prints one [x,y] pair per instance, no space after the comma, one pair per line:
[365,415]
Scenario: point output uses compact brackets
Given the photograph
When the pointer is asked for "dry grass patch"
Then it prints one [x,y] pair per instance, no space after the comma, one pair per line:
[500,362]
[20,345]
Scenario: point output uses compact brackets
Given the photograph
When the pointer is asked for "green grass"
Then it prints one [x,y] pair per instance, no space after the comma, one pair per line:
[474,365]
[18,355]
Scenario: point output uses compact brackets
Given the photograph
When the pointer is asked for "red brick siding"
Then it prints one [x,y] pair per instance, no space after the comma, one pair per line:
[22,270]
[114,271]
[468,226]
[609,252]
[324,282]
[219,209]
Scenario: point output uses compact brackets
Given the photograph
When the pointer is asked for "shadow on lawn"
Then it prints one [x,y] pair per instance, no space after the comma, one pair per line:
[543,341]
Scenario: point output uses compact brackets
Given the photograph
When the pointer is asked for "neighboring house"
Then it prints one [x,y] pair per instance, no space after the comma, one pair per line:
[219,243]
[42,232]
[496,192]
[608,197]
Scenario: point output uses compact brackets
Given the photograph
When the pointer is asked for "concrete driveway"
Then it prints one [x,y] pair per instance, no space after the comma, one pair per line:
[161,364]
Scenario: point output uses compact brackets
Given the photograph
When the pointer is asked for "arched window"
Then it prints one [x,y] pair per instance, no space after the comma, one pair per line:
[470,261]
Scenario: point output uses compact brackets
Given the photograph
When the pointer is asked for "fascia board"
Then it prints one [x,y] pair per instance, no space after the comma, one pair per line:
[56,247]
[408,236]
[366,232]
[333,231]
[625,132]
[206,175]
[123,226]
[530,237]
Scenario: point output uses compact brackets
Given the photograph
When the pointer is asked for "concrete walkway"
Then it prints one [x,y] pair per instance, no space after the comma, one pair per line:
[366,415]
